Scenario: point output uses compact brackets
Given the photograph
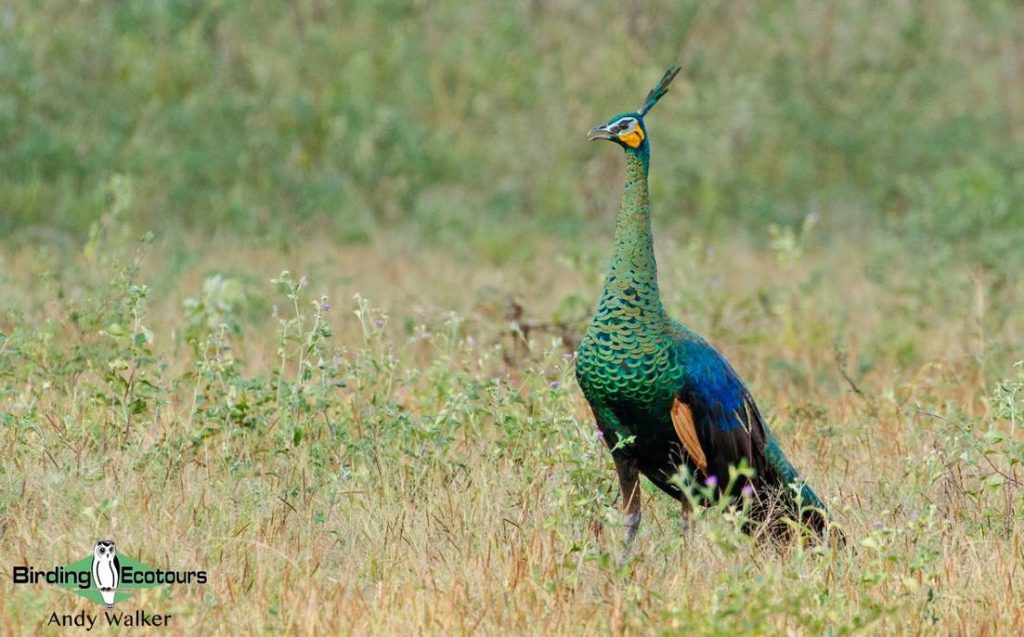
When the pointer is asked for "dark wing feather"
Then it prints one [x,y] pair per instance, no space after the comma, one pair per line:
[730,430]
[729,433]
[728,425]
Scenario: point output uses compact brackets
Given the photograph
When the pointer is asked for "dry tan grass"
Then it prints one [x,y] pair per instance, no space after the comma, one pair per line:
[495,514]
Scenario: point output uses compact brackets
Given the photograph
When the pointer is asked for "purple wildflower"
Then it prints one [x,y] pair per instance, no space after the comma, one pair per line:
[711,481]
[325,306]
[554,384]
[379,322]
[567,356]
[747,491]
[303,282]
[599,434]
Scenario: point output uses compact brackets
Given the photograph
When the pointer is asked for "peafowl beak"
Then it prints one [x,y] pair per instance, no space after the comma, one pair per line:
[599,132]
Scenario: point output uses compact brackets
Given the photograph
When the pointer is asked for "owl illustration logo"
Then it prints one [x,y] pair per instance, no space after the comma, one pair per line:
[106,570]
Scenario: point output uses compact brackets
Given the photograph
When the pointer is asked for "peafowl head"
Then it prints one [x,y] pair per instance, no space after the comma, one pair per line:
[627,129]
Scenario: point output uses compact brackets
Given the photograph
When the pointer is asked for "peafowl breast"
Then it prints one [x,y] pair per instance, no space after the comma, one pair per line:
[664,399]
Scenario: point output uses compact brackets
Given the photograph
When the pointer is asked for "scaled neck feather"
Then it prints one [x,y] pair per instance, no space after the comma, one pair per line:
[632,278]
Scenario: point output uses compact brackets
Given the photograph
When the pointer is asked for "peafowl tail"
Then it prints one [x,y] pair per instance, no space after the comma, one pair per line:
[793,498]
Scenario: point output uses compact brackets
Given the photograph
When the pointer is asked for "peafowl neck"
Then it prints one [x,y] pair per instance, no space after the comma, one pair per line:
[631,285]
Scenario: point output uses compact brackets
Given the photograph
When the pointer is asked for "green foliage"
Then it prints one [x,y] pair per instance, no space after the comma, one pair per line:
[1008,398]
[986,488]
[220,303]
[280,118]
[968,209]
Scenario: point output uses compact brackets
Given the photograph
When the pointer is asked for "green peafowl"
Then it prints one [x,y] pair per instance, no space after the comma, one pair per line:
[662,397]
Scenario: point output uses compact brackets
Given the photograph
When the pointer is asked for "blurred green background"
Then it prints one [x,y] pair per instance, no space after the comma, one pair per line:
[464,122]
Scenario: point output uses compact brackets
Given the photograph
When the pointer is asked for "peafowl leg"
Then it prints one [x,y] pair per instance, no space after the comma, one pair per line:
[629,482]
[684,516]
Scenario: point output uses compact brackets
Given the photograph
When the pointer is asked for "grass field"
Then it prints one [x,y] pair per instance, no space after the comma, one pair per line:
[292,296]
[404,462]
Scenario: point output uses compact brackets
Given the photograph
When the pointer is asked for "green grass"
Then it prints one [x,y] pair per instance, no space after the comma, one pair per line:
[271,118]
[292,292]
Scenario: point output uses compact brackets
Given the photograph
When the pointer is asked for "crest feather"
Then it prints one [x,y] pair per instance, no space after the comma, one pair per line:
[658,91]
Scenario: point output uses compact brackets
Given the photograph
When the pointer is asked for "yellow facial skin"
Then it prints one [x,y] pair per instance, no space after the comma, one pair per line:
[632,138]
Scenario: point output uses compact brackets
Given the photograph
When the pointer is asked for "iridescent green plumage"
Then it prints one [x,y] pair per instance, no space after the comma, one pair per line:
[636,365]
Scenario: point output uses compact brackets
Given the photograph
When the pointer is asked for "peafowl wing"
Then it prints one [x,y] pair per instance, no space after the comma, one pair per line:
[719,425]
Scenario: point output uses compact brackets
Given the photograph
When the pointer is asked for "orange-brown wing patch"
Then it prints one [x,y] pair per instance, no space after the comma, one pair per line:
[682,420]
